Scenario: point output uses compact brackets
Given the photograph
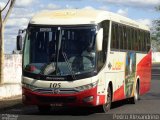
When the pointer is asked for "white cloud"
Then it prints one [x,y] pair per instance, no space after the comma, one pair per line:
[50,6]
[22,13]
[11,31]
[18,19]
[2,4]
[147,22]
[88,7]
[103,8]
[53,6]
[69,6]
[17,22]
[25,3]
[134,3]
[123,12]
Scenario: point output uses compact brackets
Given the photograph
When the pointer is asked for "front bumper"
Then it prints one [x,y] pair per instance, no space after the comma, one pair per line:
[84,98]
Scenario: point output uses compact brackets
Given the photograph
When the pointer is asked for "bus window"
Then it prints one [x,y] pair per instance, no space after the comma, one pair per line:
[115,37]
[142,41]
[133,38]
[147,41]
[135,46]
[129,38]
[125,37]
[139,40]
[102,54]
[105,26]
[121,37]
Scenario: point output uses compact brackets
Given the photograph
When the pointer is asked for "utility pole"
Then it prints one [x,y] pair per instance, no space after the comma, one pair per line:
[2,25]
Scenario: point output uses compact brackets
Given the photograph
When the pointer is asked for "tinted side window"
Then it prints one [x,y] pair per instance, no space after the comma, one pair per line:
[125,37]
[102,54]
[129,38]
[135,46]
[148,42]
[115,36]
[121,37]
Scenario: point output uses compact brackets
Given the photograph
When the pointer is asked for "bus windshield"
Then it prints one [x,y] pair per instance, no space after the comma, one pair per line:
[60,51]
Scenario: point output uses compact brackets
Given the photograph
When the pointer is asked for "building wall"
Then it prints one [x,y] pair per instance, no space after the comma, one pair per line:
[156,57]
[12,68]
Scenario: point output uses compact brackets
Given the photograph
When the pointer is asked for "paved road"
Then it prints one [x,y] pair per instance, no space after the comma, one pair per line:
[148,104]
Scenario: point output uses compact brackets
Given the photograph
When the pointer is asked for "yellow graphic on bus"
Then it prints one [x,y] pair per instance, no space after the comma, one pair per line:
[117,65]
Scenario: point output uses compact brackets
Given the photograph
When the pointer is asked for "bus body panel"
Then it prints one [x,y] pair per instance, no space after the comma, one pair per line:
[144,72]
[115,73]
[141,69]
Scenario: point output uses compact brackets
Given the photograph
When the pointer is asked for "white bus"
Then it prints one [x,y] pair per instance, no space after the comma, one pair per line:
[84,58]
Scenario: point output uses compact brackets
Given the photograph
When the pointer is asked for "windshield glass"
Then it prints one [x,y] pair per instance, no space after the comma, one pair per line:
[60,51]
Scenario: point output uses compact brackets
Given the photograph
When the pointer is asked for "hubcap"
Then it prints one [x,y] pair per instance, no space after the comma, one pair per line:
[107,105]
[136,93]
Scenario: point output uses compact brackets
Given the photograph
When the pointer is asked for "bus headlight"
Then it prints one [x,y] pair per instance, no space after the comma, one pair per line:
[87,87]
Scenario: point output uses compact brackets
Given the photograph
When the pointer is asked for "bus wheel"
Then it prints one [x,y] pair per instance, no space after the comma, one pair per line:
[44,109]
[134,99]
[106,107]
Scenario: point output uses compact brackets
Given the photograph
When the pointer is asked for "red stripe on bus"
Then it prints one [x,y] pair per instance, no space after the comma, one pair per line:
[119,94]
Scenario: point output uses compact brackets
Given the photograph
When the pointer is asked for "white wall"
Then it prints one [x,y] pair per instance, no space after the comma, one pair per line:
[12,68]
[155,57]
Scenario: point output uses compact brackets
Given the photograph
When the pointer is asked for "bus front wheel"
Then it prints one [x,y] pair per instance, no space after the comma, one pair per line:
[106,107]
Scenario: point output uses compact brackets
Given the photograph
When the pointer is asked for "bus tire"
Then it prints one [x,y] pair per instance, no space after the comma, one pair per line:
[106,107]
[44,109]
[134,99]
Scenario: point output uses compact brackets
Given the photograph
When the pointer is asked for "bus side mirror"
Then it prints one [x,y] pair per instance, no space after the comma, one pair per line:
[19,42]
[99,39]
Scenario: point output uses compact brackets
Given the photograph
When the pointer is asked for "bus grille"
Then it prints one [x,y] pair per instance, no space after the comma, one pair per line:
[51,91]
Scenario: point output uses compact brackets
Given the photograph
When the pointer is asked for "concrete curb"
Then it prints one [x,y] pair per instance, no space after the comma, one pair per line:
[9,103]
[10,90]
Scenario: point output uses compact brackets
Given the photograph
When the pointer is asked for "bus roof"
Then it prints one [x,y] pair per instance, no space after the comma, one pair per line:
[81,16]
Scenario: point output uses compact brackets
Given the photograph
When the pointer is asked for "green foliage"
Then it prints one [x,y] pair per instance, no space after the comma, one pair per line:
[158,8]
[155,33]
[155,45]
[156,28]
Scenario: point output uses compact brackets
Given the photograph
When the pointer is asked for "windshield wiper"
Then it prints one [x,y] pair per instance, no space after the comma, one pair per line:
[69,66]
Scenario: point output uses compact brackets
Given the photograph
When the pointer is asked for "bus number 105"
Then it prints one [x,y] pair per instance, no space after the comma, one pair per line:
[55,85]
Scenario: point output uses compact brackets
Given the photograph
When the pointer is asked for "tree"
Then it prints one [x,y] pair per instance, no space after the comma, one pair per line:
[10,3]
[156,33]
[156,28]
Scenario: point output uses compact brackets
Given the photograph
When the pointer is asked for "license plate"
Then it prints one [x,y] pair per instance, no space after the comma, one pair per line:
[57,104]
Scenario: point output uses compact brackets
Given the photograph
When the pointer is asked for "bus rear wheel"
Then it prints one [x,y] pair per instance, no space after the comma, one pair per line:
[134,99]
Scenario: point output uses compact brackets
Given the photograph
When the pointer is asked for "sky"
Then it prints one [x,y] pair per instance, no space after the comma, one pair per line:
[140,10]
